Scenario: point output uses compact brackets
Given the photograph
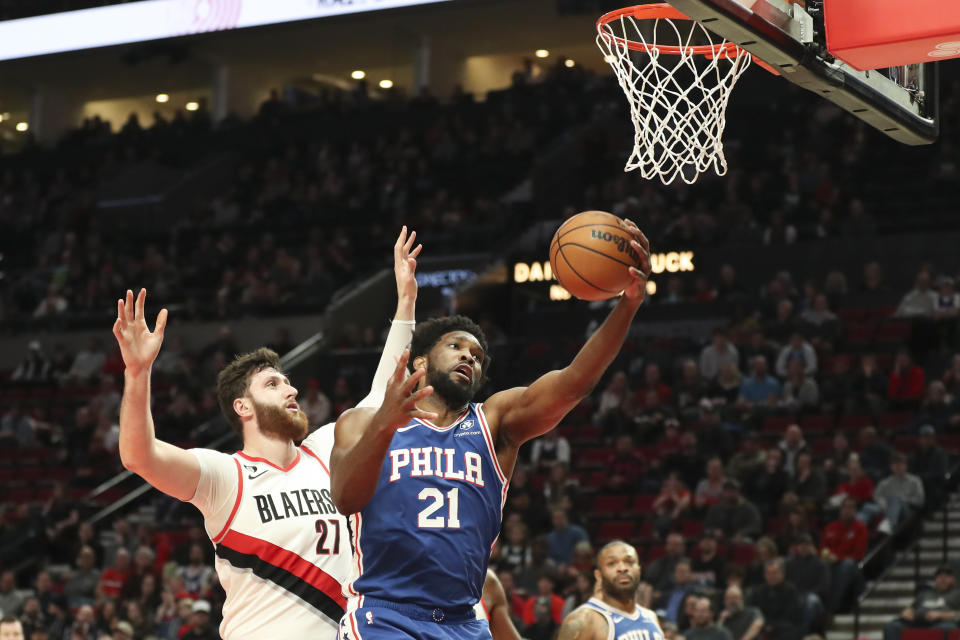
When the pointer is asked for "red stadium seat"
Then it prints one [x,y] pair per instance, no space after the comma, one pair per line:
[609,506]
[855,421]
[896,331]
[953,634]
[616,530]
[923,634]
[822,445]
[892,421]
[816,423]
[905,444]
[692,529]
[645,531]
[776,424]
[655,553]
[742,554]
[593,458]
[643,504]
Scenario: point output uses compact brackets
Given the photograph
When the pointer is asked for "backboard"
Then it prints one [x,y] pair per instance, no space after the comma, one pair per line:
[791,38]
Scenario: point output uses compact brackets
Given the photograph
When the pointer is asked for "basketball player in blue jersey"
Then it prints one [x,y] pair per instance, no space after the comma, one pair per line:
[613,614]
[424,477]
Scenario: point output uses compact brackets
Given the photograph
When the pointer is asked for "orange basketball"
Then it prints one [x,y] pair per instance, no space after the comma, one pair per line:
[591,255]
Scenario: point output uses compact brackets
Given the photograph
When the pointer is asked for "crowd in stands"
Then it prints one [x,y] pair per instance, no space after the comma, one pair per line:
[753,469]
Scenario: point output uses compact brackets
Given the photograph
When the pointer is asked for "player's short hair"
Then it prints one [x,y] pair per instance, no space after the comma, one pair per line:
[8,619]
[428,334]
[614,543]
[234,380]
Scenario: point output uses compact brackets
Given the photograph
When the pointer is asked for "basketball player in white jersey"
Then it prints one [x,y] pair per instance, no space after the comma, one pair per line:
[613,613]
[495,608]
[282,550]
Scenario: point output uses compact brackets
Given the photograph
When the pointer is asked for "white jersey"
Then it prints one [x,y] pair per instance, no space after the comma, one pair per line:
[282,549]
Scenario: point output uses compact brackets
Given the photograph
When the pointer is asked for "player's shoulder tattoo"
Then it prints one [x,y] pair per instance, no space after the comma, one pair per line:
[580,625]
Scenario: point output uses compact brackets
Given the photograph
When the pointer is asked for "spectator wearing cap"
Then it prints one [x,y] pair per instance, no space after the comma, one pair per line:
[719,352]
[936,607]
[743,623]
[11,628]
[733,517]
[760,390]
[929,462]
[797,350]
[200,627]
[844,544]
[897,497]
[811,575]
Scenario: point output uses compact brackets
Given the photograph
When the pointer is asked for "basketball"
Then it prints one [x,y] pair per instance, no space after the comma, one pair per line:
[591,255]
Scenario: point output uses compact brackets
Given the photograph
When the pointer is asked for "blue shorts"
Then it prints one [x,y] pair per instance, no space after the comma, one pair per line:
[383,620]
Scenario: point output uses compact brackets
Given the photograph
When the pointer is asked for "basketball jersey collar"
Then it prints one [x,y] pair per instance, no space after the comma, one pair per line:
[429,424]
[636,615]
[296,460]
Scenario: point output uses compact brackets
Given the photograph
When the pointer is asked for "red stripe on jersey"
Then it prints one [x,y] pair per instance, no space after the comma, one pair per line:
[315,457]
[265,461]
[288,561]
[236,505]
[489,438]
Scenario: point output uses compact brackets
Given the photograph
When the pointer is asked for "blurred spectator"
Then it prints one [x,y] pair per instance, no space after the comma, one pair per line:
[906,382]
[844,544]
[733,517]
[783,324]
[514,553]
[672,600]
[807,483]
[16,428]
[87,363]
[858,222]
[810,574]
[748,460]
[33,617]
[660,573]
[717,354]
[951,377]
[873,283]
[938,408]
[870,387]
[710,489]
[929,462]
[544,625]
[767,486]
[920,301]
[11,600]
[53,304]
[624,467]
[545,592]
[702,625]
[708,568]
[760,390]
[197,576]
[798,350]
[715,434]
[200,627]
[559,486]
[792,446]
[563,537]
[743,623]
[897,497]
[935,607]
[81,586]
[652,382]
[114,578]
[800,391]
[549,449]
[858,485]
[797,525]
[687,463]
[726,386]
[779,602]
[35,366]
[691,388]
[873,454]
[11,628]
[820,324]
[764,550]
[84,625]
[779,231]
[729,288]
[315,403]
[581,592]
[613,412]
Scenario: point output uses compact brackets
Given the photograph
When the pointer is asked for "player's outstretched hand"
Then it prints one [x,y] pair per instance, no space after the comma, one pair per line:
[637,289]
[405,263]
[138,345]
[401,397]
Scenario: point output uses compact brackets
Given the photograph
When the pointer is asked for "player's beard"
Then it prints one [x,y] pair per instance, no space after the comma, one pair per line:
[454,394]
[279,423]
[620,592]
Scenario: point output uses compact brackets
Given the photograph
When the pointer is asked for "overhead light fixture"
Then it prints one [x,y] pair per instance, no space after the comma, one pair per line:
[163,97]
[541,53]
[359,74]
[22,126]
[386,84]
[192,106]
[569,64]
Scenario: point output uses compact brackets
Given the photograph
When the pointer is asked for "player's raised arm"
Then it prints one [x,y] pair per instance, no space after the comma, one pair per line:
[168,468]
[401,330]
[524,413]
[363,435]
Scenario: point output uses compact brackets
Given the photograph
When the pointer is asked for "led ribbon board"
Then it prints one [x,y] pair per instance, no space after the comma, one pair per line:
[156,19]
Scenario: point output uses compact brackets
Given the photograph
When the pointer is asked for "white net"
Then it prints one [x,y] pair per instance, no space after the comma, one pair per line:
[678,81]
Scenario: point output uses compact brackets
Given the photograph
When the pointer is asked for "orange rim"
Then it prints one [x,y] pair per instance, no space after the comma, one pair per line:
[655,12]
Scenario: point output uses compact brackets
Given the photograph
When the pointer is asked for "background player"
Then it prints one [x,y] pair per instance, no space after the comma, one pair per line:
[425,476]
[282,549]
[494,608]
[613,613]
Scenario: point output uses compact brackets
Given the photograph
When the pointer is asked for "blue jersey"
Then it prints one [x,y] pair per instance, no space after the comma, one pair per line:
[642,625]
[426,535]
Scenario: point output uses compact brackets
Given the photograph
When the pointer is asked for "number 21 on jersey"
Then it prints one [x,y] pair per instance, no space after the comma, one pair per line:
[435,502]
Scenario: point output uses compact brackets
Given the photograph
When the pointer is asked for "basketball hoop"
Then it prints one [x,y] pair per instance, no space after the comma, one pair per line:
[678,83]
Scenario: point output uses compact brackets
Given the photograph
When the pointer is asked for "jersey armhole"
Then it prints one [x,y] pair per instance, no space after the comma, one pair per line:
[315,457]
[488,437]
[236,504]
[611,628]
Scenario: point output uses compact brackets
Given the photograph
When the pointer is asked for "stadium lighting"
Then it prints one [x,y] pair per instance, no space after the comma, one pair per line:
[1,117]
[359,74]
[22,126]
[386,84]
[569,64]
[163,97]
[192,106]
[542,53]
